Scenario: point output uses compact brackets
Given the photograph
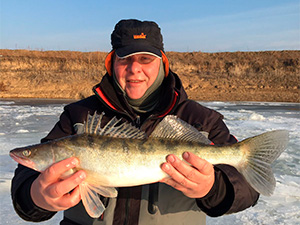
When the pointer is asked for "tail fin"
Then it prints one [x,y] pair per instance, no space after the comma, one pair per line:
[263,150]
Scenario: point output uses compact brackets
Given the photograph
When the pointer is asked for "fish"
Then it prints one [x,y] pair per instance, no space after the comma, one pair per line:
[121,155]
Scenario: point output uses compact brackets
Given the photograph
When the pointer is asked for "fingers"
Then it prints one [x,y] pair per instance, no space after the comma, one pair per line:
[52,193]
[197,169]
[201,165]
[54,172]
[69,200]
[60,188]
[194,178]
[180,172]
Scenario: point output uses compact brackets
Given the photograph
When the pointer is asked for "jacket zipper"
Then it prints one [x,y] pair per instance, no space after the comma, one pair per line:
[137,121]
[126,210]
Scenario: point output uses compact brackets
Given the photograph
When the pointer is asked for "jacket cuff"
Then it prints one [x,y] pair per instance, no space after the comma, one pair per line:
[219,199]
[243,195]
[26,208]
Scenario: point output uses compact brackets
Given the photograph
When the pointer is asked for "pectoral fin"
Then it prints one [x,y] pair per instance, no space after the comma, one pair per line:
[91,200]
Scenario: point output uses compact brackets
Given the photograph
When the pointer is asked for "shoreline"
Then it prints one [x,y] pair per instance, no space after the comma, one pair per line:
[36,101]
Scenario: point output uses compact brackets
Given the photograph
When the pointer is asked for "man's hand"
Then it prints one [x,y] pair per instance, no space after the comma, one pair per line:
[50,192]
[194,180]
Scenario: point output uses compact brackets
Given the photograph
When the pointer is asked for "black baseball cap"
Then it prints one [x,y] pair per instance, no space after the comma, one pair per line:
[132,36]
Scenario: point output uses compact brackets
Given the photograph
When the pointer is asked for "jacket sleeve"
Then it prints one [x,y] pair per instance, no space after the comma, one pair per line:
[20,193]
[231,192]
[24,177]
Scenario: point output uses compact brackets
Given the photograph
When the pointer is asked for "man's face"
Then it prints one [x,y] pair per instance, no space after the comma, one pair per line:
[136,73]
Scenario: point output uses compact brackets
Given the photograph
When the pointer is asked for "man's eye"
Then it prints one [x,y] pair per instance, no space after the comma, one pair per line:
[122,60]
[146,59]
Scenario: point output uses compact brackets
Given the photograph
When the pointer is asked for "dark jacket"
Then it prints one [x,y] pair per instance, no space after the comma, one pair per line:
[156,202]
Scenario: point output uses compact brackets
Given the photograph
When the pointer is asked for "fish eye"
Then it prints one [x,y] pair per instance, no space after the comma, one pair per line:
[26,153]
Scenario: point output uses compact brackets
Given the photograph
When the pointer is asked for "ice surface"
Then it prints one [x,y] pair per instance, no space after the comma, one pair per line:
[21,125]
[25,123]
[251,118]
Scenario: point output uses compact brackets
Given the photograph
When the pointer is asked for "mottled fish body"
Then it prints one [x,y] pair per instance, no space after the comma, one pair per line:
[121,155]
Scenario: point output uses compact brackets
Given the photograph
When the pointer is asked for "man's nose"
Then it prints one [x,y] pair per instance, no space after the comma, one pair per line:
[134,66]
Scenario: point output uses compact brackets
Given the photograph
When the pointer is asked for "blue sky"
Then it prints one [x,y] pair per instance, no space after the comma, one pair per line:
[197,25]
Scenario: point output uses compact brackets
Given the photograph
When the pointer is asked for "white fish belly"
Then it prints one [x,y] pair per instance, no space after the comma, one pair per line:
[120,170]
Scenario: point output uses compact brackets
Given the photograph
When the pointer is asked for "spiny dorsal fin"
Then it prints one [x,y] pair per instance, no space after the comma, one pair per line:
[112,129]
[171,127]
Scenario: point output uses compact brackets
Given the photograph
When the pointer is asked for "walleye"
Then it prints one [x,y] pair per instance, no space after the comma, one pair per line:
[120,155]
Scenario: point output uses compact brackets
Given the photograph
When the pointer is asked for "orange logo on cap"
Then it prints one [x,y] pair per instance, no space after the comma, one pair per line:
[140,36]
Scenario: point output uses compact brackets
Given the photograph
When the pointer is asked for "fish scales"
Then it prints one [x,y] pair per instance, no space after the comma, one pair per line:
[121,158]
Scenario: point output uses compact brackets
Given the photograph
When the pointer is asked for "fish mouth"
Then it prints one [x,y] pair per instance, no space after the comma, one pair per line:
[22,160]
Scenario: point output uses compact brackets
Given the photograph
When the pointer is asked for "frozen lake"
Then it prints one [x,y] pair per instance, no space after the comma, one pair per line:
[25,122]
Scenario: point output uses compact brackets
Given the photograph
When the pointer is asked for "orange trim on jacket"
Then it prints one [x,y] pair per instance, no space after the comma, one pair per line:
[104,98]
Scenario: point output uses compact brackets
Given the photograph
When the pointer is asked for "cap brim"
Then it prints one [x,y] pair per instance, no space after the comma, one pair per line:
[132,49]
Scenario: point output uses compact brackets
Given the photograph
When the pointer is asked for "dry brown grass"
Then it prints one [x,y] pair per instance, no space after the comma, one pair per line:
[2,87]
[227,76]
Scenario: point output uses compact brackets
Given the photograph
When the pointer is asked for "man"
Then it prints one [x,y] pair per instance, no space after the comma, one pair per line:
[140,88]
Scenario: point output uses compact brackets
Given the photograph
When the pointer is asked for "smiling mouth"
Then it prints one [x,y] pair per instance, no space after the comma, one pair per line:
[134,81]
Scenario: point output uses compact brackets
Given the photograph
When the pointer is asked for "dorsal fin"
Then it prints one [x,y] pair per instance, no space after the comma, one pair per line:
[113,128]
[171,127]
